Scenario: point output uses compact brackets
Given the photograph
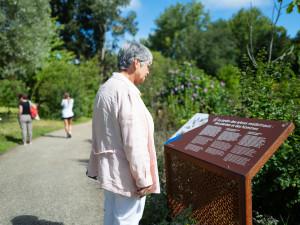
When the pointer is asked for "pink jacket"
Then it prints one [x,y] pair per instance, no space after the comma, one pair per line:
[123,156]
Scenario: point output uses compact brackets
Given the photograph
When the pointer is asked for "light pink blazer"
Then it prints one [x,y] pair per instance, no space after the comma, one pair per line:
[123,156]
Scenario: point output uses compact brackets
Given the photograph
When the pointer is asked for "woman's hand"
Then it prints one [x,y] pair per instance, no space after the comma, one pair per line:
[144,191]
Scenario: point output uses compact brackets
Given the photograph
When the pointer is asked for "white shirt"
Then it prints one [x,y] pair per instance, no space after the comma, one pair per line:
[67,108]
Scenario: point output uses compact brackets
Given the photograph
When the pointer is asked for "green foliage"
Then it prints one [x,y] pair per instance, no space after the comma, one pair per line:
[189,90]
[295,57]
[231,75]
[240,26]
[220,48]
[9,90]
[85,23]
[179,29]
[108,65]
[185,33]
[245,20]
[270,91]
[273,92]
[157,212]
[156,209]
[26,31]
[292,4]
[156,80]
[91,79]
[81,81]
[259,219]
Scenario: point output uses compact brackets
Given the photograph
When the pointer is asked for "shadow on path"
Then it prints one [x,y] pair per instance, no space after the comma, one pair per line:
[83,162]
[13,139]
[89,141]
[54,136]
[31,220]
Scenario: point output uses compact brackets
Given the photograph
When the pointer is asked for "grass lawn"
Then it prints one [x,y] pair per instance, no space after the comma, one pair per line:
[10,131]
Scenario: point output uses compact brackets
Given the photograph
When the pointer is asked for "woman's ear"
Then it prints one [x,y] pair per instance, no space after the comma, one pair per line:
[136,63]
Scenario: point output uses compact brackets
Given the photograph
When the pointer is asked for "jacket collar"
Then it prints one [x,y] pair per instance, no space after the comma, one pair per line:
[131,86]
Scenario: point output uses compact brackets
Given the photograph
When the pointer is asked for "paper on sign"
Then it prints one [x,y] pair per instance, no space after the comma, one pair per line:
[196,121]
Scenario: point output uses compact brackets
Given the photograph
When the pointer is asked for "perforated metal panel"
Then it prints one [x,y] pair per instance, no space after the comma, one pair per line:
[210,167]
[214,197]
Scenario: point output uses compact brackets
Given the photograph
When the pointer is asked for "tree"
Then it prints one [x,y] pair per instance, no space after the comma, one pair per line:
[296,53]
[253,32]
[9,89]
[291,5]
[179,31]
[81,81]
[86,23]
[220,48]
[25,34]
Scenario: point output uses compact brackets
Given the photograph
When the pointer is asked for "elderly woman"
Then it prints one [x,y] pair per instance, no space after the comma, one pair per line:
[123,157]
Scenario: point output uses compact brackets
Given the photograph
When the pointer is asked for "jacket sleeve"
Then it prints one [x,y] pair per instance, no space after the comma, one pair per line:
[135,138]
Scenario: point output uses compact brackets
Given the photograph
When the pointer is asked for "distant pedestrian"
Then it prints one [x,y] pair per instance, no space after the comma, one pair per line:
[25,119]
[67,113]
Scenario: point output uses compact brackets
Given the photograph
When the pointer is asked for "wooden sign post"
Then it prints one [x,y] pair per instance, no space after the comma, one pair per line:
[210,168]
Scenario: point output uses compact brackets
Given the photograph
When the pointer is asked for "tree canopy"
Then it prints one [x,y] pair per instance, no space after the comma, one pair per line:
[86,23]
[179,29]
[25,35]
[185,32]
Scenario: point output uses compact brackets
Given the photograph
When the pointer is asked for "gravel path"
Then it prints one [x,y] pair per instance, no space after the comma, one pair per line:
[45,183]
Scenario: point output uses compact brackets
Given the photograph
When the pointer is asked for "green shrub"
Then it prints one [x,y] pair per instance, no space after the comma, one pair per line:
[189,90]
[81,81]
[231,76]
[273,92]
[270,91]
[9,90]
[259,219]
[156,209]
[155,82]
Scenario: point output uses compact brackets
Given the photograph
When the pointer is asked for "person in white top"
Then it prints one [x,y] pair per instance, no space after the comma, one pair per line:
[123,157]
[67,113]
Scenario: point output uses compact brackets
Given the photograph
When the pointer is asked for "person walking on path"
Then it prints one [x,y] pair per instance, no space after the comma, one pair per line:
[123,157]
[25,119]
[67,104]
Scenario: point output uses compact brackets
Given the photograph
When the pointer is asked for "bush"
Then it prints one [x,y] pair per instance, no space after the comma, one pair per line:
[259,219]
[81,81]
[156,209]
[231,76]
[189,90]
[155,82]
[269,91]
[9,90]
[272,91]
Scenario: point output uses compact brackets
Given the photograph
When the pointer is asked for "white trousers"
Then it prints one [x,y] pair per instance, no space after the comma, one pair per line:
[121,210]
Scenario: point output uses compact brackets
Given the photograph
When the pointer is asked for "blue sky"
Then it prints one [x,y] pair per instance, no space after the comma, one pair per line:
[148,10]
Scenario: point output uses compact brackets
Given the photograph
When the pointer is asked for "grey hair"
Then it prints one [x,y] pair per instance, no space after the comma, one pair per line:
[131,51]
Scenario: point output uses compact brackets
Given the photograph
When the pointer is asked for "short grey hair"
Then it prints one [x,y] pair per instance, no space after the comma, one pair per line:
[131,51]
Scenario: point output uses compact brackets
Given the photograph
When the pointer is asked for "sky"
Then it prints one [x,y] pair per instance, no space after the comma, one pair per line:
[149,10]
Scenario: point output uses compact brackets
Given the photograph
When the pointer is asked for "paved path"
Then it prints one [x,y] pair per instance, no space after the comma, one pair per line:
[45,183]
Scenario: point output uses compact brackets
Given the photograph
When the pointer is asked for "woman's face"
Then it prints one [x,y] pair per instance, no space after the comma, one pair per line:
[141,72]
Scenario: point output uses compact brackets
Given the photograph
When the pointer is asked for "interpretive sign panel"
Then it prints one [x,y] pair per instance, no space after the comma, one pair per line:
[236,144]
[221,152]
